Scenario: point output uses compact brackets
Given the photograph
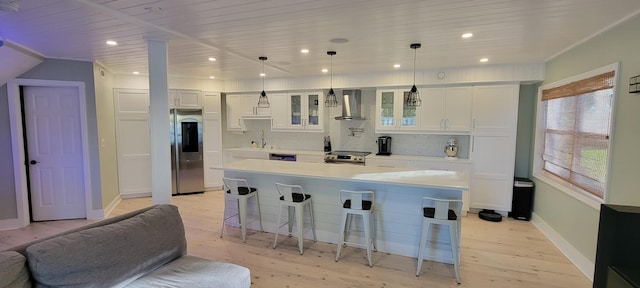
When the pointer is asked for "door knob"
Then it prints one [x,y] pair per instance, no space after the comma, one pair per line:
[33,162]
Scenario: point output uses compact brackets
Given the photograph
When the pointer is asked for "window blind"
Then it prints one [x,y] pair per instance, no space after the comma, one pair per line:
[577,128]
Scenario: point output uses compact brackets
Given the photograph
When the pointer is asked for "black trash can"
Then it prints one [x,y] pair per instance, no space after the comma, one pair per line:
[522,202]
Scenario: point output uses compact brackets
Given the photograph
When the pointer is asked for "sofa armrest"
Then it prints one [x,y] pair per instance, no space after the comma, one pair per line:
[110,255]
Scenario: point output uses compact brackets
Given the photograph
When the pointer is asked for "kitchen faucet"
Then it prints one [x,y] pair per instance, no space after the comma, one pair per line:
[262,139]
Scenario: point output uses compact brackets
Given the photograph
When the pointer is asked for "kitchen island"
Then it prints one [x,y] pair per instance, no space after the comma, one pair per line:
[398,193]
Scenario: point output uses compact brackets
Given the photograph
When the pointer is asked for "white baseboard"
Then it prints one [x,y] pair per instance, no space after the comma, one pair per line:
[112,205]
[10,224]
[582,263]
[95,214]
[135,195]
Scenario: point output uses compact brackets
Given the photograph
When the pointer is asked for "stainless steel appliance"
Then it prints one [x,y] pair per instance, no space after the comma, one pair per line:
[451,149]
[384,145]
[187,171]
[351,105]
[351,157]
[282,157]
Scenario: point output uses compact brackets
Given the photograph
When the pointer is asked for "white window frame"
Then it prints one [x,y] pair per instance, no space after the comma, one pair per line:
[555,181]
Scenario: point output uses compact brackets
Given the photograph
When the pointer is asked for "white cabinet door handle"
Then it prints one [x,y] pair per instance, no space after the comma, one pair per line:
[441,123]
[473,144]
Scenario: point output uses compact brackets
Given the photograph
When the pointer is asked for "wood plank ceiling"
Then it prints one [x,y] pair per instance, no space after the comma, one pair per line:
[237,32]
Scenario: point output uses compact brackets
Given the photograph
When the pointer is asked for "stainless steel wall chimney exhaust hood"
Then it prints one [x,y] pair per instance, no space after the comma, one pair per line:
[351,105]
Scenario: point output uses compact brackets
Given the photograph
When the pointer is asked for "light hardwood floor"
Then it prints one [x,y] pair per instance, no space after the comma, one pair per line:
[506,254]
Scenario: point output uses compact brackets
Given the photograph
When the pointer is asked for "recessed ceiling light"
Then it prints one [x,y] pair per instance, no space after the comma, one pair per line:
[112,43]
[467,35]
[339,40]
[304,51]
[396,65]
[325,70]
[136,72]
[484,59]
[212,77]
[262,74]
[212,59]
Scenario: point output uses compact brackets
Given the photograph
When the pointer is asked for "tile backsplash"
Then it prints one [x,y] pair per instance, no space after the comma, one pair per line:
[344,138]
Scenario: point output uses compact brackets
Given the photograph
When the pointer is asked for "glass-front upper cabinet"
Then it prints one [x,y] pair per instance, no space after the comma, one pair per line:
[312,109]
[393,114]
[409,114]
[304,113]
[295,102]
[386,109]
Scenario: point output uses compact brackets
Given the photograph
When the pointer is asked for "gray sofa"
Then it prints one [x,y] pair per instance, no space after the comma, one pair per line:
[143,248]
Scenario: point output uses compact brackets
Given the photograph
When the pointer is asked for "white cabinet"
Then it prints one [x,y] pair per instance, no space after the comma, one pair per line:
[235,107]
[495,108]
[446,109]
[251,109]
[188,99]
[493,146]
[212,140]
[133,142]
[392,115]
[492,172]
[280,111]
[241,154]
[302,112]
[241,107]
[310,158]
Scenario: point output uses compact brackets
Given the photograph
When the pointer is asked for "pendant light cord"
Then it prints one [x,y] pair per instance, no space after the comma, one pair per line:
[331,73]
[414,65]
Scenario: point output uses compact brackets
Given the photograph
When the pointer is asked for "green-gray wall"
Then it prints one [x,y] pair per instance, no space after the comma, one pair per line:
[8,209]
[524,139]
[575,221]
[105,115]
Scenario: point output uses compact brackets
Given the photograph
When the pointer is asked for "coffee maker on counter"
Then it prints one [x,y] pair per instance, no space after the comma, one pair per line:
[451,149]
[384,145]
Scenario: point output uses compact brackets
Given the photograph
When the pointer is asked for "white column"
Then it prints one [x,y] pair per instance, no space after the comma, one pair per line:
[159,111]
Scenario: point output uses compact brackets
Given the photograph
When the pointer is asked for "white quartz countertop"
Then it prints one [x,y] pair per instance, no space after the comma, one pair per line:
[370,156]
[385,175]
[279,151]
[420,158]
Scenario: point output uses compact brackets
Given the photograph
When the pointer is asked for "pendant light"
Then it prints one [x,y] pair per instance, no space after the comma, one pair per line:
[413,100]
[331,100]
[263,101]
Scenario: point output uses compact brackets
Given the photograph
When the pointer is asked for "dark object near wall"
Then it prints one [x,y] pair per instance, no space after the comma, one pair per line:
[618,238]
[522,202]
[490,215]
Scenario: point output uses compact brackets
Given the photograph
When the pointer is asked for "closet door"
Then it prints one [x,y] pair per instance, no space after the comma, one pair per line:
[133,140]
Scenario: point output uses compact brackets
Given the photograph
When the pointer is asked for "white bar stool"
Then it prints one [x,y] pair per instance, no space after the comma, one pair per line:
[358,203]
[240,190]
[447,213]
[293,197]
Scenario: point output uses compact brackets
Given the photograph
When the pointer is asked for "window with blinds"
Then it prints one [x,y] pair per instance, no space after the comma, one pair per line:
[576,131]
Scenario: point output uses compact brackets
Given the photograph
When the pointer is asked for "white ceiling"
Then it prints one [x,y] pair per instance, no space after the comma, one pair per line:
[237,32]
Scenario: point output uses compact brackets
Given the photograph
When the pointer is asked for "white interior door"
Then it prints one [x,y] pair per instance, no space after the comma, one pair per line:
[54,147]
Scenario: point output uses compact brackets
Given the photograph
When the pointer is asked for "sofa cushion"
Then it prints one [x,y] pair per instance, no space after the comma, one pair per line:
[191,271]
[112,255]
[13,270]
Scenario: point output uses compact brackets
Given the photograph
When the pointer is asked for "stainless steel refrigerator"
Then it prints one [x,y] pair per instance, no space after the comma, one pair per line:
[187,169]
